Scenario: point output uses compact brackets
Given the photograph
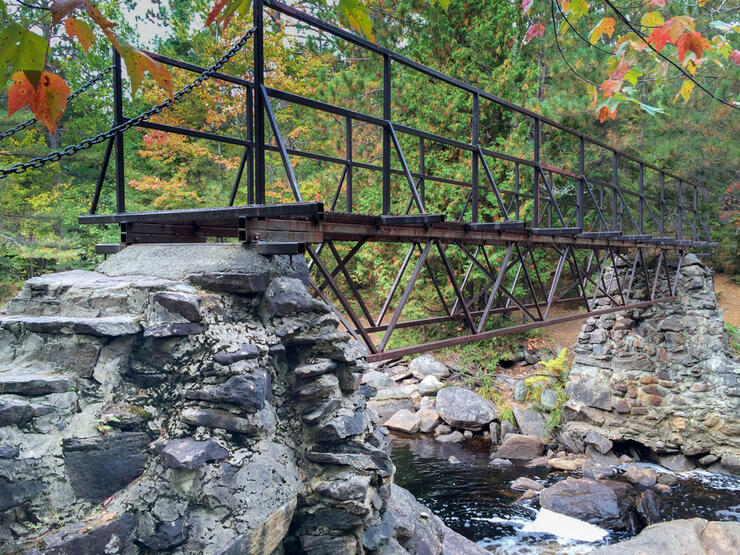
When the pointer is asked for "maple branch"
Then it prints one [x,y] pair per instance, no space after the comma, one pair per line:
[584,39]
[688,76]
[32,6]
[560,51]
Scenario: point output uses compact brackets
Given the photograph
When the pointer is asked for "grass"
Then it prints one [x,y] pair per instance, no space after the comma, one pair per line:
[734,336]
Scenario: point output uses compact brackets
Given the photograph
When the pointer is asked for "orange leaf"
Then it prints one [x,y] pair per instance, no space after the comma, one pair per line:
[20,93]
[660,36]
[137,62]
[610,86]
[536,30]
[47,101]
[605,113]
[693,42]
[97,16]
[81,30]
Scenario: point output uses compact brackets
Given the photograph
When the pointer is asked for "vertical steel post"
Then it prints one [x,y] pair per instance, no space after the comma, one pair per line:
[422,171]
[679,230]
[662,204]
[516,190]
[250,138]
[386,134]
[259,104]
[348,148]
[118,120]
[476,122]
[641,183]
[615,197]
[582,171]
[536,184]
[696,216]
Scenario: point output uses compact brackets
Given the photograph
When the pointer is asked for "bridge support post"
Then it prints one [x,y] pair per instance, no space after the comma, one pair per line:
[259,103]
[118,120]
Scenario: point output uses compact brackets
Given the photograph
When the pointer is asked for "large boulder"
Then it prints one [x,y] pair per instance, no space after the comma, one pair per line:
[519,448]
[606,503]
[462,408]
[530,422]
[681,537]
[427,365]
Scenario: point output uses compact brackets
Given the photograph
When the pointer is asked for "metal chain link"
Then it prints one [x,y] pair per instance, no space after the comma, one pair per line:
[70,98]
[131,122]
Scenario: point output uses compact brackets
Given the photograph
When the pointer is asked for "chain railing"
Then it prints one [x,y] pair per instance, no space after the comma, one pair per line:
[128,123]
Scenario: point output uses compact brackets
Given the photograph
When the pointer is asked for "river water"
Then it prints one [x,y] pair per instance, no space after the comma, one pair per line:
[474,499]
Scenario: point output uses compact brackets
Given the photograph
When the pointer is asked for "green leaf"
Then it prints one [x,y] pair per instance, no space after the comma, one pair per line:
[21,50]
[632,75]
[578,8]
[357,16]
[444,3]
[651,110]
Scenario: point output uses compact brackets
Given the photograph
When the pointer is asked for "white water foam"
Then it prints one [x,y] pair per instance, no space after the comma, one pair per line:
[563,527]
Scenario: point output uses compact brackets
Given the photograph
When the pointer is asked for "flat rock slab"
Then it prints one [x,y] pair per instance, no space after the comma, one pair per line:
[246,351]
[35,384]
[177,262]
[13,411]
[97,467]
[108,534]
[184,304]
[109,326]
[191,454]
[404,421]
[530,422]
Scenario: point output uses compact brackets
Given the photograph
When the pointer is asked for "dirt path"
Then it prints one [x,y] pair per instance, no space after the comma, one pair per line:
[729,298]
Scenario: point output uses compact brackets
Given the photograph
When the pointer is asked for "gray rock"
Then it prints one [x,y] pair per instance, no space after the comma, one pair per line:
[690,536]
[454,437]
[97,467]
[591,390]
[111,326]
[426,365]
[9,452]
[641,476]
[320,545]
[342,427]
[598,442]
[595,456]
[347,488]
[184,304]
[404,421]
[387,408]
[731,463]
[289,297]
[462,408]
[246,351]
[167,536]
[500,462]
[262,421]
[378,380]
[531,423]
[246,391]
[430,386]
[571,441]
[676,463]
[111,536]
[549,399]
[191,454]
[33,385]
[174,330]
[523,484]
[596,471]
[13,411]
[429,420]
[322,387]
[315,368]
[18,492]
[520,391]
[235,283]
[506,428]
[605,503]
[520,448]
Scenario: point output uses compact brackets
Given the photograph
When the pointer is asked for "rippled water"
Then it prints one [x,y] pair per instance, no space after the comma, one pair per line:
[474,499]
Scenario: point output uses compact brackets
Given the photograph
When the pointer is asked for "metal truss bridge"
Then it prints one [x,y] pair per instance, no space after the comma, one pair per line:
[484,262]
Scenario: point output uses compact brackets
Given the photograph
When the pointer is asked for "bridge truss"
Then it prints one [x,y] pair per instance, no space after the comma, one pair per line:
[483,262]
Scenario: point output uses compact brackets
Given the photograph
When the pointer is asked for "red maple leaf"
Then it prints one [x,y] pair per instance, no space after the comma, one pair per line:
[693,41]
[660,36]
[605,113]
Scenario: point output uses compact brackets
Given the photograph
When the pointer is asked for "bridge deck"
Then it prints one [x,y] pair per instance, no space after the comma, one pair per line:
[306,223]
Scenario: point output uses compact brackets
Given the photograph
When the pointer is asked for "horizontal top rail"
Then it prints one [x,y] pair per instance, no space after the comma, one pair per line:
[322,25]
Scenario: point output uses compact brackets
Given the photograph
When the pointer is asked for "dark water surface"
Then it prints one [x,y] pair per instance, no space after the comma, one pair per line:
[469,494]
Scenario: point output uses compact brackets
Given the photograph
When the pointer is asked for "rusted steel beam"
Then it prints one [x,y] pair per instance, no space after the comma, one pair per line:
[442,343]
